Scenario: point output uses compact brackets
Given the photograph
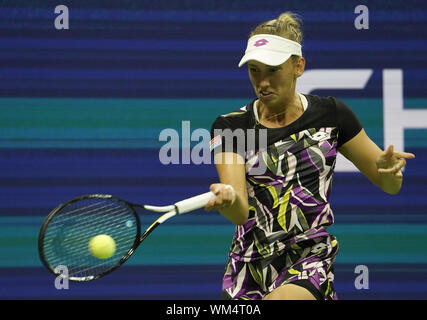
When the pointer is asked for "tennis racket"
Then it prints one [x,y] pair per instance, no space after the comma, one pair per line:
[67,230]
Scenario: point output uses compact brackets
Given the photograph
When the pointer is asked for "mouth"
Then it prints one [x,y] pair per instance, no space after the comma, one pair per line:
[265,93]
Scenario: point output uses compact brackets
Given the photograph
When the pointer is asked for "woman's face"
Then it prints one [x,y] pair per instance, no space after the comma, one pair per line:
[275,85]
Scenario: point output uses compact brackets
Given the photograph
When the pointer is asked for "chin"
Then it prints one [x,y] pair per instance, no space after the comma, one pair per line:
[268,101]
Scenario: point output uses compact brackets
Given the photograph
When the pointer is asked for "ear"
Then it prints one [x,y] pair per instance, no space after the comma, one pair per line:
[300,67]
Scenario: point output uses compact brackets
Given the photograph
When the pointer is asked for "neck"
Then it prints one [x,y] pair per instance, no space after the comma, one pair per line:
[281,114]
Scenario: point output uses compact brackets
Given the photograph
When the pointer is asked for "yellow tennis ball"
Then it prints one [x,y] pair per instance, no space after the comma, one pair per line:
[102,246]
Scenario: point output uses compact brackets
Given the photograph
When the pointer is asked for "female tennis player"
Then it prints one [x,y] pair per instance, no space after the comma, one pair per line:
[281,248]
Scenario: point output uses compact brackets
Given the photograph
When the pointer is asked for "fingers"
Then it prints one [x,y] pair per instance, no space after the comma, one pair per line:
[389,152]
[405,155]
[396,169]
[392,162]
[224,197]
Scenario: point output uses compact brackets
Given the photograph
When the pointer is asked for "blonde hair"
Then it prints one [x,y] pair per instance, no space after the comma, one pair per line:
[288,25]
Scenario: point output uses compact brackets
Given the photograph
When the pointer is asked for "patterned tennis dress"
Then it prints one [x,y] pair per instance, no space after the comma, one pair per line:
[288,177]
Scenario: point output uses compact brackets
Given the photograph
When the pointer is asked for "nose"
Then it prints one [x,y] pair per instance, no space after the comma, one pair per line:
[264,82]
[261,79]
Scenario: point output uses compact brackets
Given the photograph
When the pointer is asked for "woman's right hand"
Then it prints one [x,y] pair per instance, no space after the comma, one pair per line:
[224,197]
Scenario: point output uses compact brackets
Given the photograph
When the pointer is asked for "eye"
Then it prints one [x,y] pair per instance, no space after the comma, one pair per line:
[272,70]
[252,69]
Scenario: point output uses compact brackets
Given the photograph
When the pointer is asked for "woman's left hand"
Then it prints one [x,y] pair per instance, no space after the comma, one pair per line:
[391,162]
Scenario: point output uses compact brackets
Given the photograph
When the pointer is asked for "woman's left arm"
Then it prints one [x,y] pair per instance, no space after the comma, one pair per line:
[382,168]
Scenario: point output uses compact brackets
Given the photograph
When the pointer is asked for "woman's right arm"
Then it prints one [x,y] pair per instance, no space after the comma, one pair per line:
[232,205]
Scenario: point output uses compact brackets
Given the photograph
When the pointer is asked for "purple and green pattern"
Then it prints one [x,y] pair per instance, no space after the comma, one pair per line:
[289,209]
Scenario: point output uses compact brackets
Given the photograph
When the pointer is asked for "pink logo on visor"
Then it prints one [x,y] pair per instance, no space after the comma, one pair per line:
[261,42]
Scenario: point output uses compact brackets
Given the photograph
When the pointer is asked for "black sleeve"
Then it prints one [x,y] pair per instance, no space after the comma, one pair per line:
[348,123]
[226,138]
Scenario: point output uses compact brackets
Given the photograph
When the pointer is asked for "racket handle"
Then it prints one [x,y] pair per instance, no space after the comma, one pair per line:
[194,203]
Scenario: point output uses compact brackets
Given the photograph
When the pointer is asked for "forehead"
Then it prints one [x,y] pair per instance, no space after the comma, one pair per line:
[255,63]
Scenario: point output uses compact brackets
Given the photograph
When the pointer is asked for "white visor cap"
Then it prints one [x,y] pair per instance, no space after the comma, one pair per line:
[270,49]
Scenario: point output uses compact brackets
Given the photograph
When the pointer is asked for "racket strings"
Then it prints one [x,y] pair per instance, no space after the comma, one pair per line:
[73,214]
[66,239]
[75,241]
[81,234]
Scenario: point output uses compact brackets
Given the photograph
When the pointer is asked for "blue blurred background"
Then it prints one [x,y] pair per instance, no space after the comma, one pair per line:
[81,111]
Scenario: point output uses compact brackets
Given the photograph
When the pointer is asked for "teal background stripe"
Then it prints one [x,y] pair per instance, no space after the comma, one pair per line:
[135,123]
[206,243]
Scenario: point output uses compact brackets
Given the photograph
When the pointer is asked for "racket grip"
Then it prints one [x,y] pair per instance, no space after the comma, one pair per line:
[194,203]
